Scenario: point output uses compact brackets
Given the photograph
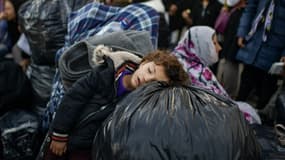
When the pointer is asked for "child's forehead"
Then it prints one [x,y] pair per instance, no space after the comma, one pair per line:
[147,62]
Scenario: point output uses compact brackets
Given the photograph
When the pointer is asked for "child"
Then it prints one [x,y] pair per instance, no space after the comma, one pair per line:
[73,129]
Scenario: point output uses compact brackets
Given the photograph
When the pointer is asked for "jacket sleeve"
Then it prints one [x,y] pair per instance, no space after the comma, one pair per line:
[247,18]
[79,95]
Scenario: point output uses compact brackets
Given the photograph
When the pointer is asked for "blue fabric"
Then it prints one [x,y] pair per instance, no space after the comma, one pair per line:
[95,18]
[5,40]
[265,17]
[92,18]
[256,52]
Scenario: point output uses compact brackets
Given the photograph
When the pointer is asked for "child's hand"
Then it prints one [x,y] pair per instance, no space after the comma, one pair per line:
[58,148]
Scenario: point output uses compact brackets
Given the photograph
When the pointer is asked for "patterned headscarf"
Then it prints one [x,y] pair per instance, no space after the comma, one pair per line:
[199,72]
[202,38]
[192,51]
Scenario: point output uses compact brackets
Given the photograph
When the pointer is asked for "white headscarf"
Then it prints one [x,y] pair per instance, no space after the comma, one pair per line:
[202,38]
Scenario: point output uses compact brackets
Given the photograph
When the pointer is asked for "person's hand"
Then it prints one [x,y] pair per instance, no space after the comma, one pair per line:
[24,64]
[172,9]
[58,148]
[240,42]
[2,15]
[282,59]
[185,15]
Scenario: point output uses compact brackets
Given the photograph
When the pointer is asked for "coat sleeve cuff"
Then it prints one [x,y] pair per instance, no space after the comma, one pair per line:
[59,137]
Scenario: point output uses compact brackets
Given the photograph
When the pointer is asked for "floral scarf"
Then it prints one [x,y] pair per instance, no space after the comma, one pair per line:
[189,54]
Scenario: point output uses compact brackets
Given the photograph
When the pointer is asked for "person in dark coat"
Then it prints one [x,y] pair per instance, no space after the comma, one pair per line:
[89,101]
[230,68]
[201,12]
[261,38]
[16,89]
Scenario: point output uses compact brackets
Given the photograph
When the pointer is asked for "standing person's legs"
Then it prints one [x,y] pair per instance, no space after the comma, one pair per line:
[230,77]
[267,89]
[249,78]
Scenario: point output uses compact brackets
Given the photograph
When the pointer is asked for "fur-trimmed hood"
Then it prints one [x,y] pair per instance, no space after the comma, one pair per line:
[77,60]
[118,57]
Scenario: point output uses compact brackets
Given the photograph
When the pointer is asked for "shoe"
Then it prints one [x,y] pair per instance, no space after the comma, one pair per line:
[280,132]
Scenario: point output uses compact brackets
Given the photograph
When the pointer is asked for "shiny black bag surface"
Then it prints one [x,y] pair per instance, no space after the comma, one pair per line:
[160,122]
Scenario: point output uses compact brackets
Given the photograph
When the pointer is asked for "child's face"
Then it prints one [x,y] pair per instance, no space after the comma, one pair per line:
[147,72]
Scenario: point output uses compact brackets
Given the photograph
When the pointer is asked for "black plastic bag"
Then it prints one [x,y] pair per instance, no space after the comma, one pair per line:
[44,23]
[41,78]
[160,122]
[19,135]
[15,87]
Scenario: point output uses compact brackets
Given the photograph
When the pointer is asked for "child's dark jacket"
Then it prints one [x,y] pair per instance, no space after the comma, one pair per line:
[88,95]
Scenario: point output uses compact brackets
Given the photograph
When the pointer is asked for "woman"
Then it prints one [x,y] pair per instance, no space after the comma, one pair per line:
[197,50]
[116,76]
[230,68]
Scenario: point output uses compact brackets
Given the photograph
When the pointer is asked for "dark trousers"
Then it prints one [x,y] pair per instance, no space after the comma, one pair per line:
[255,78]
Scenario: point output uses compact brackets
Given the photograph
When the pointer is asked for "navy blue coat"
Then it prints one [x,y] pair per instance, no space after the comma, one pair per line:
[256,52]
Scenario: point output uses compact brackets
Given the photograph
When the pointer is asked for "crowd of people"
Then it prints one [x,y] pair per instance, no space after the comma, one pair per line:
[68,63]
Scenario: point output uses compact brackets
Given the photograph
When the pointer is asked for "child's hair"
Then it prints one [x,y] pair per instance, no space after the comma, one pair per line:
[172,67]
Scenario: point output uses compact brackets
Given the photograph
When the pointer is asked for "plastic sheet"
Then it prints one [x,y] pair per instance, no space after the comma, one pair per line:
[270,147]
[19,130]
[41,78]
[160,122]
[44,23]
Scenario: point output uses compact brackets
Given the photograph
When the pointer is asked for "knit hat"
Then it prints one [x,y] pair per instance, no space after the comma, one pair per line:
[230,3]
